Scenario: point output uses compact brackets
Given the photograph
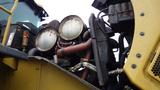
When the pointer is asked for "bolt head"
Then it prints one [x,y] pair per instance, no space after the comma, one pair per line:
[134,66]
[138,55]
[142,14]
[141,33]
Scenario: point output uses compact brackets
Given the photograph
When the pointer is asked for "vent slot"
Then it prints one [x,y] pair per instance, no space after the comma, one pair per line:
[156,67]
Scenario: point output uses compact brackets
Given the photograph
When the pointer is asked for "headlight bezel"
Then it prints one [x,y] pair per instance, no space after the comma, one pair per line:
[67,19]
[53,40]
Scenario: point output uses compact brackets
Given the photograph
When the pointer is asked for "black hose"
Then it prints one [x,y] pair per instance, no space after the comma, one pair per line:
[121,44]
[122,58]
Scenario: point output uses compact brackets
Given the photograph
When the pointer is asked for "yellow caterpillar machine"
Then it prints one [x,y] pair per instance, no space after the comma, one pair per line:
[68,55]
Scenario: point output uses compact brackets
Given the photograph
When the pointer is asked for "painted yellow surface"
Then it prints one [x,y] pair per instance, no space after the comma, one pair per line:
[38,75]
[10,62]
[145,42]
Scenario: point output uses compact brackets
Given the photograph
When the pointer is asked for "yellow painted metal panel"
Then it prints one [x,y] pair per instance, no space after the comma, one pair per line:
[11,62]
[54,79]
[145,41]
[26,77]
[40,75]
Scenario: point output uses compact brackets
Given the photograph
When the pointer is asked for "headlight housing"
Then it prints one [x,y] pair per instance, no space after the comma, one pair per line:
[71,27]
[46,39]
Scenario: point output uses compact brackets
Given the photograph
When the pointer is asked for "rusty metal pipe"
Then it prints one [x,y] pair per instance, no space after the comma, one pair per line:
[75,48]
[86,58]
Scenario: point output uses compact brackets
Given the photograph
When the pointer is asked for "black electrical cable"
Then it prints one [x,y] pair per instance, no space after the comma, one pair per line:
[101,28]
[116,50]
[98,20]
[98,16]
[122,58]
[101,12]
[104,15]
[121,44]
[104,20]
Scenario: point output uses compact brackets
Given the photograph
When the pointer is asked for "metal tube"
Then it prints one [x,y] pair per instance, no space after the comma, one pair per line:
[9,23]
[14,6]
[74,48]
[115,72]
[5,10]
[5,36]
[85,72]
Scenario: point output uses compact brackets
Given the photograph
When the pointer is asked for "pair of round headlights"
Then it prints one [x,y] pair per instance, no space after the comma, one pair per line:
[70,28]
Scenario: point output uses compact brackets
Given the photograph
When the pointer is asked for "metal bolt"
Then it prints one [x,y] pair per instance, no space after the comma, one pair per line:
[141,33]
[142,14]
[138,55]
[133,66]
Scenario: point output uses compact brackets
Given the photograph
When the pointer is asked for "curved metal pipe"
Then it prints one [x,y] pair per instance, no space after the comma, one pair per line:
[75,48]
[86,58]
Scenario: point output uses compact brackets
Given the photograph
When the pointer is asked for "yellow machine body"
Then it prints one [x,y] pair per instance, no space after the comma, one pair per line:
[140,67]
[38,75]
[145,50]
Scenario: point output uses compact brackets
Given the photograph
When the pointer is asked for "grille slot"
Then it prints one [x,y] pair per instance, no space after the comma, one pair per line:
[156,67]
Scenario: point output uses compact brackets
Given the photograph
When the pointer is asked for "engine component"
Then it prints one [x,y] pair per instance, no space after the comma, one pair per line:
[86,58]
[100,60]
[63,43]
[121,17]
[25,40]
[83,64]
[71,27]
[86,35]
[74,48]
[17,33]
[114,72]
[54,24]
[99,4]
[102,50]
[46,39]
[120,13]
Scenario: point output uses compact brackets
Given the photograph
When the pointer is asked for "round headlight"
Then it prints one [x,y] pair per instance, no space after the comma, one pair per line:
[46,40]
[71,27]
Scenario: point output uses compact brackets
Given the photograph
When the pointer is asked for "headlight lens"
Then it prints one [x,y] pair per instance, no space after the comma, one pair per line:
[70,27]
[46,40]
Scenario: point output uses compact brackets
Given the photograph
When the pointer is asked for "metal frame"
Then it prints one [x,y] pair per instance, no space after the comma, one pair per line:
[10,12]
[9,61]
